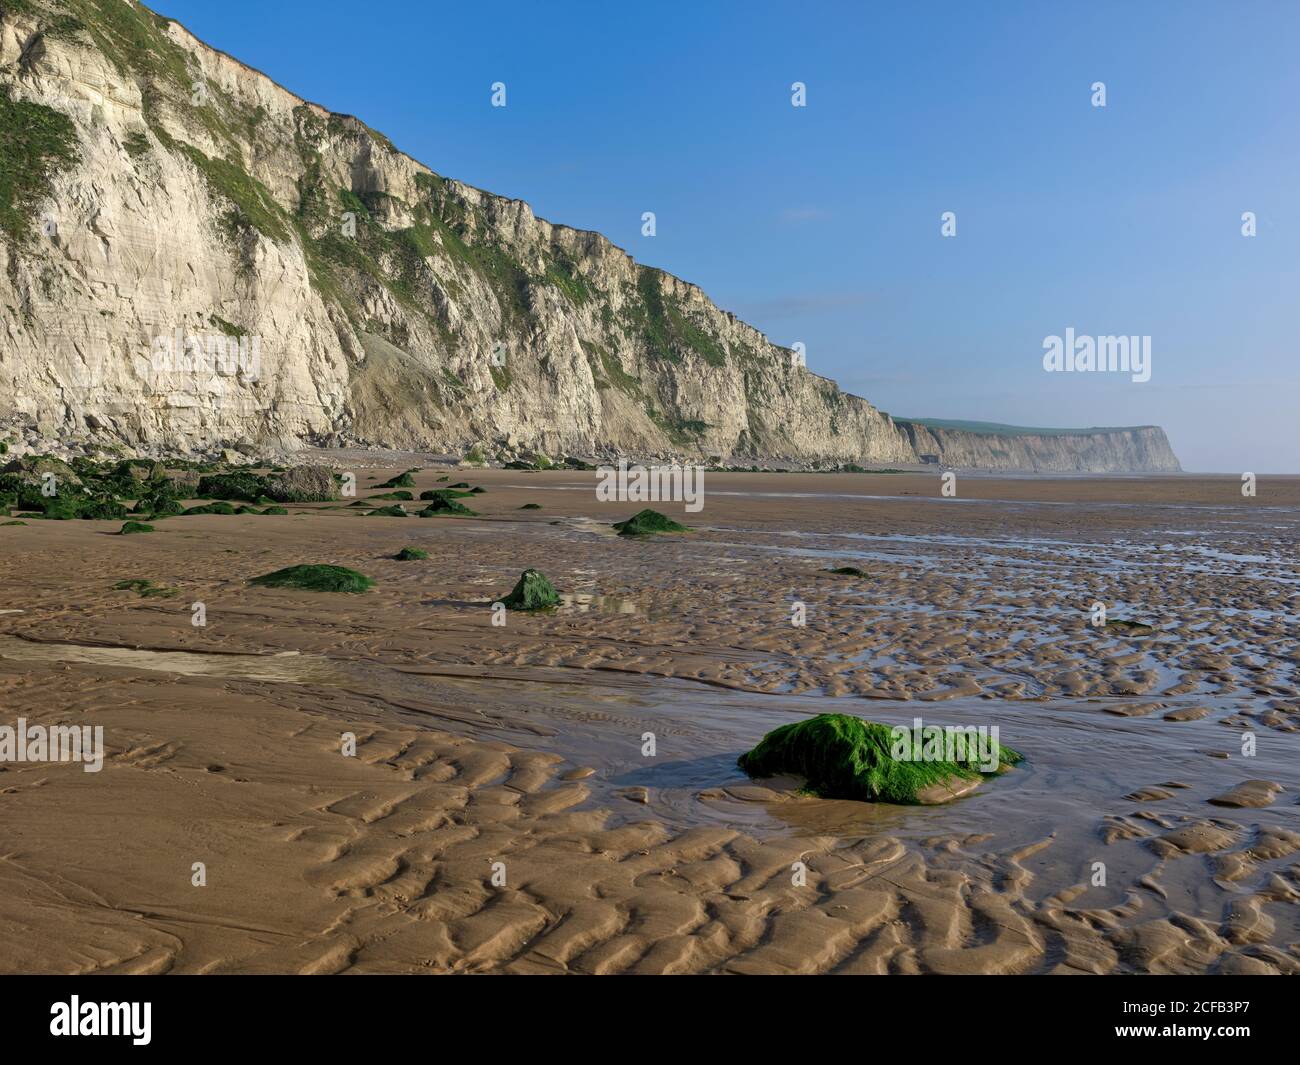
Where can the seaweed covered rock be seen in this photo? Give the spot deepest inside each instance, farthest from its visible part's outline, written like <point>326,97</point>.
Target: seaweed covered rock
<point>439,505</point>
<point>303,484</point>
<point>411,554</point>
<point>844,757</point>
<point>162,502</point>
<point>395,511</point>
<point>848,571</point>
<point>402,480</point>
<point>532,592</point>
<point>219,507</point>
<point>130,527</point>
<point>315,578</point>
<point>36,469</point>
<point>648,522</point>
<point>101,510</point>
<point>243,486</point>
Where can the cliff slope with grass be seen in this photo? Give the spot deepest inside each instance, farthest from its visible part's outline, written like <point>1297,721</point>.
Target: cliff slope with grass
<point>152,187</point>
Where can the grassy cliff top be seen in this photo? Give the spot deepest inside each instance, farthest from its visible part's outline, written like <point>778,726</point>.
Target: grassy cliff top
<point>998,429</point>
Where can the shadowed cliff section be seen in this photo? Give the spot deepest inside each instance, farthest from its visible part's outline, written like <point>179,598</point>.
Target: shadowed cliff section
<point>181,194</point>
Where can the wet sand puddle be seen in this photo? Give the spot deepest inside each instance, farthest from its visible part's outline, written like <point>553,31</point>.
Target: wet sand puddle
<point>1098,786</point>
<point>286,667</point>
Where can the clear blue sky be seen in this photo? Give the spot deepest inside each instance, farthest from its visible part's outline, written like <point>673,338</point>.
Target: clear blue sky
<point>821,224</point>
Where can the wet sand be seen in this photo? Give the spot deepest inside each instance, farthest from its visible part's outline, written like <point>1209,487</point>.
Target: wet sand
<point>1138,836</point>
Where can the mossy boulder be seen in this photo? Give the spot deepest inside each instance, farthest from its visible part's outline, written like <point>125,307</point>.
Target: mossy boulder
<point>401,495</point>
<point>532,592</point>
<point>56,508</point>
<point>274,510</point>
<point>411,554</point>
<point>159,506</point>
<point>130,527</point>
<point>402,480</point>
<point>219,507</point>
<point>243,486</point>
<point>65,507</point>
<point>395,511</point>
<point>33,469</point>
<point>303,484</point>
<point>440,505</point>
<point>648,522</point>
<point>844,757</point>
<point>315,578</point>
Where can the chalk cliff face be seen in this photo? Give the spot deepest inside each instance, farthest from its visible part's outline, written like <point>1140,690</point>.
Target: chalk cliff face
<point>192,256</point>
<point>1140,449</point>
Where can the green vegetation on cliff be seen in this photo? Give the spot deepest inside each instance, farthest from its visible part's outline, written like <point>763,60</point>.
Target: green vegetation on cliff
<point>35,143</point>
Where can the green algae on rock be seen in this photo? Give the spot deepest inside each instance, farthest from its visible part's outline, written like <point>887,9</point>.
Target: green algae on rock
<point>848,571</point>
<point>411,554</point>
<point>395,511</point>
<point>315,578</point>
<point>532,592</point>
<point>440,505</point>
<point>844,757</point>
<point>648,522</point>
<point>531,506</point>
<point>130,527</point>
<point>210,508</point>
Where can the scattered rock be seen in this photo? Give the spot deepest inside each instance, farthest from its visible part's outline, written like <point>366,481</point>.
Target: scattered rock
<point>1249,793</point>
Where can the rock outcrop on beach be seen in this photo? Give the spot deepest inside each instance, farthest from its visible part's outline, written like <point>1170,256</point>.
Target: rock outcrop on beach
<point>193,258</point>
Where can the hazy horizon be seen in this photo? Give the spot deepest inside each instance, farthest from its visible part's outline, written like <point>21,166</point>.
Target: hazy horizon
<point>821,224</point>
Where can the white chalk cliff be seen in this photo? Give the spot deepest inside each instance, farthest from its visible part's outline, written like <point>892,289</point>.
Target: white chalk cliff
<point>152,187</point>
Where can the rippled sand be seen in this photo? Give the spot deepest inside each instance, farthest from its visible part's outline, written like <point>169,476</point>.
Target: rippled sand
<point>1152,828</point>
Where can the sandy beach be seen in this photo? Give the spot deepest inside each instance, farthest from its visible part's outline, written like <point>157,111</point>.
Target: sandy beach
<point>499,814</point>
